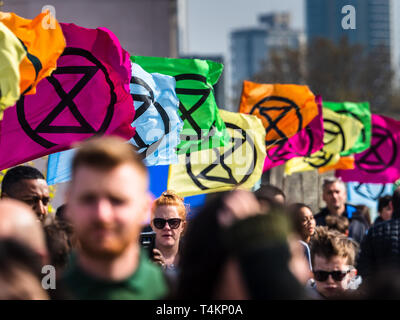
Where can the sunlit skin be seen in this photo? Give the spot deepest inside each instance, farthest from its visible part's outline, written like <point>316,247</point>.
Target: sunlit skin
<point>167,239</point>
<point>334,194</point>
<point>106,209</point>
<point>331,288</point>
<point>308,223</point>
<point>34,192</point>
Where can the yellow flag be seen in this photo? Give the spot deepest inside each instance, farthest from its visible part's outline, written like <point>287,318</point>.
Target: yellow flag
<point>284,109</point>
<point>43,43</point>
<point>11,54</point>
<point>239,163</point>
<point>340,134</point>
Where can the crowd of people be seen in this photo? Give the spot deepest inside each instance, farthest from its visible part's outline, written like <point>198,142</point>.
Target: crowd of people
<point>240,245</point>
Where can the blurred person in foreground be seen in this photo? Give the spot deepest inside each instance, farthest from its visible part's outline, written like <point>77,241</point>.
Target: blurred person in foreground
<point>333,259</point>
<point>381,246</point>
<point>235,251</point>
<point>27,184</point>
<point>385,209</point>
<point>335,196</point>
<point>107,201</point>
<point>18,221</point>
<point>270,197</point>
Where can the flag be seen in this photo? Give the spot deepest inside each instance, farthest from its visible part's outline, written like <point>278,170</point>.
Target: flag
<point>157,122</point>
<point>380,163</point>
<point>340,134</point>
<point>59,167</point>
<point>302,144</point>
<point>367,194</point>
<point>43,47</point>
<point>87,95</point>
<point>239,163</point>
<point>361,112</point>
<point>11,54</point>
<point>203,127</point>
<point>284,109</point>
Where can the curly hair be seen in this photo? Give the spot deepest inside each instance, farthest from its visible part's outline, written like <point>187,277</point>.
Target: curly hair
<point>329,243</point>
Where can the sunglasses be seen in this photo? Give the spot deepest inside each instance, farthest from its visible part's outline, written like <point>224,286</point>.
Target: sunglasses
<point>173,223</point>
<point>321,275</point>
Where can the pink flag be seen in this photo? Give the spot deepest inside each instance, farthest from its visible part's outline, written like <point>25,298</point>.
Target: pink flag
<point>302,144</point>
<point>381,162</point>
<point>88,94</point>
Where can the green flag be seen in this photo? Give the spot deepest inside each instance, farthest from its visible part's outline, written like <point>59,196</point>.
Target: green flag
<point>203,126</point>
<point>361,112</point>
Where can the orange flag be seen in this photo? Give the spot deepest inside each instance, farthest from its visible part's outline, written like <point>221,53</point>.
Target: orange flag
<point>43,43</point>
<point>345,163</point>
<point>284,109</point>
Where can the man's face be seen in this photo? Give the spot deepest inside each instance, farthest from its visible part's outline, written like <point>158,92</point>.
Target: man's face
<point>35,193</point>
<point>107,208</point>
<point>334,194</point>
<point>331,288</point>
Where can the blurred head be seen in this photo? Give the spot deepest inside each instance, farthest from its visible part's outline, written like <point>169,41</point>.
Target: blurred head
<point>338,223</point>
<point>302,220</point>
<point>334,193</point>
<point>20,272</point>
<point>385,208</point>
<point>168,219</point>
<point>18,221</point>
<point>27,184</point>
<point>107,197</point>
<point>270,196</point>
<point>333,258</point>
<point>364,212</point>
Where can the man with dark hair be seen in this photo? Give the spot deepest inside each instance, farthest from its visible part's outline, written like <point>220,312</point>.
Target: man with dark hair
<point>381,246</point>
<point>270,196</point>
<point>27,184</point>
<point>107,202</point>
<point>385,209</point>
<point>335,196</point>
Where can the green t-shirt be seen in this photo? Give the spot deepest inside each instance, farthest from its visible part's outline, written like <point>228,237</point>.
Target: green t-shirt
<point>146,283</point>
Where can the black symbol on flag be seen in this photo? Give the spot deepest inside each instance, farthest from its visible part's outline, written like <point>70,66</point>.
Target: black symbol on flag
<point>364,190</point>
<point>378,158</point>
<point>67,101</point>
<point>236,142</point>
<point>273,123</point>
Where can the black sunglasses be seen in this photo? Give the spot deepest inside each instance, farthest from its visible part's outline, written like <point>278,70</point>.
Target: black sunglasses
<point>321,275</point>
<point>173,223</point>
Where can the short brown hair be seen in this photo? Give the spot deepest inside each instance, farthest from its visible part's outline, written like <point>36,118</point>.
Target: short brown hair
<point>105,153</point>
<point>338,223</point>
<point>329,243</point>
<point>170,198</point>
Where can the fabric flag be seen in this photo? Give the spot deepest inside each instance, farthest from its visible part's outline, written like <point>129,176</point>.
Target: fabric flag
<point>59,167</point>
<point>302,144</point>
<point>157,122</point>
<point>344,163</point>
<point>367,194</point>
<point>203,127</point>
<point>11,54</point>
<point>87,95</point>
<point>284,109</point>
<point>340,134</point>
<point>238,164</point>
<point>381,162</point>
<point>361,112</point>
<point>43,46</point>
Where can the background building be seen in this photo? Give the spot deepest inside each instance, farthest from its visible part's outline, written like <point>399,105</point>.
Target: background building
<point>250,47</point>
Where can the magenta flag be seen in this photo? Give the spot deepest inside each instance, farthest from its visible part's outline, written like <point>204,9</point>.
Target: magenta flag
<point>381,162</point>
<point>88,94</point>
<point>302,144</point>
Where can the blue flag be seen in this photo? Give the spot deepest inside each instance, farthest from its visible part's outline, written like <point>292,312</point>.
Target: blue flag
<point>157,122</point>
<point>368,194</point>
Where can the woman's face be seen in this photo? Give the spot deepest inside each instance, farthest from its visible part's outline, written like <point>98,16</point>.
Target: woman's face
<point>167,236</point>
<point>307,221</point>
